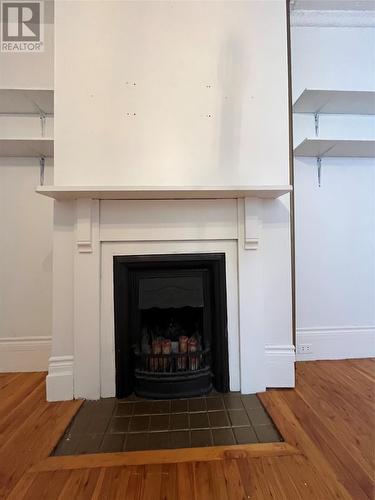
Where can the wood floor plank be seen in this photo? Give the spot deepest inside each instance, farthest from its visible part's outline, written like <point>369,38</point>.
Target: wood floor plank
<point>186,483</point>
<point>366,366</point>
<point>35,438</point>
<point>328,423</point>
<point>169,482</point>
<point>292,430</point>
<point>15,391</point>
<point>163,456</point>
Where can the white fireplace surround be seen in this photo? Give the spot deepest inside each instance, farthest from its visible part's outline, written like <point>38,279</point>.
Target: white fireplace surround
<point>254,235</point>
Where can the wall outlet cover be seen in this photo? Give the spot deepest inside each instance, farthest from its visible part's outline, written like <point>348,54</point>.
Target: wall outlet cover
<point>304,349</point>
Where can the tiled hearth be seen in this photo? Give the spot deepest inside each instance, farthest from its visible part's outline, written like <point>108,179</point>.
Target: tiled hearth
<point>130,424</point>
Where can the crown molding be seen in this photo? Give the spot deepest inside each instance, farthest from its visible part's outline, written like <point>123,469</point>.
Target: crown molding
<point>333,18</point>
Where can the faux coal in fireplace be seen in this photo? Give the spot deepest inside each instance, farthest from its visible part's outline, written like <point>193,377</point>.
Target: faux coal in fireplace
<point>170,325</point>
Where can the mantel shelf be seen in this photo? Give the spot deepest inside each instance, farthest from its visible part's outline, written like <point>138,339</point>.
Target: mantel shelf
<point>26,101</point>
<point>30,147</point>
<point>324,148</point>
<point>350,102</point>
<point>162,192</point>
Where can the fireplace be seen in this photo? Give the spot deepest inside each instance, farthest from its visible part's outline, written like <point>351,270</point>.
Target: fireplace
<point>170,325</point>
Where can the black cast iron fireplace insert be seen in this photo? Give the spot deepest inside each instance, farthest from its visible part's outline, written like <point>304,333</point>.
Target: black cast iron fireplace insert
<point>171,336</point>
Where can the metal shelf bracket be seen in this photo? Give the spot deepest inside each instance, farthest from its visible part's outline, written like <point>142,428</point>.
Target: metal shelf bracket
<point>316,122</point>
<point>42,162</point>
<point>319,166</point>
<point>42,117</point>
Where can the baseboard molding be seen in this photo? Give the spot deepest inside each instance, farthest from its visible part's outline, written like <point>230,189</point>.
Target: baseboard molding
<point>24,354</point>
<point>337,342</point>
<point>60,378</point>
<point>280,365</point>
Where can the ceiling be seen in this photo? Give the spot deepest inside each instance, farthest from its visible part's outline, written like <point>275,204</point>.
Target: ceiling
<point>361,5</point>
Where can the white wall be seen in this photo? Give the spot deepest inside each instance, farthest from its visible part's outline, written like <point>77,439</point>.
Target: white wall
<point>26,223</point>
<point>335,224</point>
<point>25,267</point>
<point>210,93</point>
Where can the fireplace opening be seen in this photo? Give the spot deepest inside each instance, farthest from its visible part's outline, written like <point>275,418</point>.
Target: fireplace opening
<point>170,325</point>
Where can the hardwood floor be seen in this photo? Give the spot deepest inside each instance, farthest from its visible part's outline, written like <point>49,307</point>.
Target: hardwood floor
<point>328,423</point>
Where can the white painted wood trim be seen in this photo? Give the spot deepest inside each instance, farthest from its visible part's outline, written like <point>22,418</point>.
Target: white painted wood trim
<point>251,313</point>
<point>24,354</point>
<point>333,18</point>
<point>162,192</point>
<point>83,227</point>
<point>168,220</point>
<point>60,378</point>
<point>86,318</point>
<point>252,223</point>
<point>337,342</point>
<point>280,365</point>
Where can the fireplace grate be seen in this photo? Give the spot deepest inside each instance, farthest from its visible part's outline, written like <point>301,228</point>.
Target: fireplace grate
<point>172,363</point>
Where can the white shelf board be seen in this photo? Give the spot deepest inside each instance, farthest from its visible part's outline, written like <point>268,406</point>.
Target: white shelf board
<point>335,148</point>
<point>26,147</point>
<point>162,192</point>
<point>26,101</point>
<point>349,102</point>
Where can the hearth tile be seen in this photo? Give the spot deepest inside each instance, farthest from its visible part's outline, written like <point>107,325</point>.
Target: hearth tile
<point>179,439</point>
<point>267,434</point>
<point>179,421</point>
<point>139,423</point>
<point>159,422</point>
<point>198,420</point>
<point>245,435</point>
<point>66,447</point>
<point>136,442</point>
<point>124,409</point>
<point>259,416</point>
<point>132,398</point>
<point>80,424</point>
<point>112,443</point>
<point>218,419</point>
<point>160,407</point>
<point>215,403</point>
<point>102,407</point>
<point>197,404</point>
<point>98,424</point>
<point>223,437</point>
<point>238,418</point>
<point>179,405</point>
<point>251,401</point>
<point>143,408</point>
<point>89,443</point>
<point>233,402</point>
<point>119,425</point>
<point>213,394</point>
<point>201,438</point>
<point>158,441</point>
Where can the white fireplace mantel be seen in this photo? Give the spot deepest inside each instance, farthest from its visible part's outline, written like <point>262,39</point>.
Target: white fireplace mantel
<point>90,232</point>
<point>162,192</point>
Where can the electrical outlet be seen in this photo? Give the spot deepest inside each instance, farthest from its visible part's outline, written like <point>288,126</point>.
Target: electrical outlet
<point>304,349</point>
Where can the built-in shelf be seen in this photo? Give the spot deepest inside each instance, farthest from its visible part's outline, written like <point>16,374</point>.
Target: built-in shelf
<point>26,101</point>
<point>323,148</point>
<point>350,102</point>
<point>161,193</point>
<point>33,148</point>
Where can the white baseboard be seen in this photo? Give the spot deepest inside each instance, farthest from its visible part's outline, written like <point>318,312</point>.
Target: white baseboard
<point>60,378</point>
<point>24,354</point>
<point>280,366</point>
<point>337,342</point>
